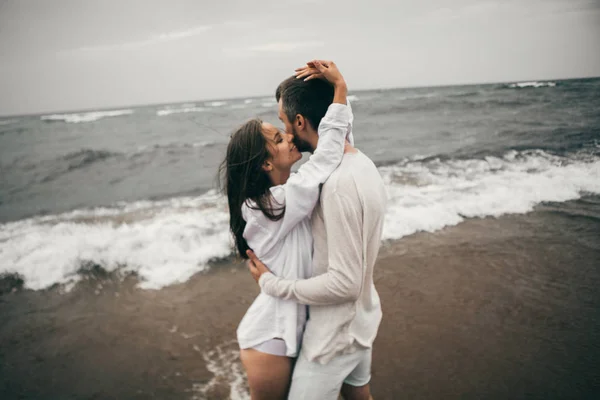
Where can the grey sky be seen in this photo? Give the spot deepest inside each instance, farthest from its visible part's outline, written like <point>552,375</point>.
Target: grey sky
<point>75,54</point>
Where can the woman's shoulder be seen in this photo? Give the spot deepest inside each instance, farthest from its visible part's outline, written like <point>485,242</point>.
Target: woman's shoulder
<point>251,210</point>
<point>278,193</point>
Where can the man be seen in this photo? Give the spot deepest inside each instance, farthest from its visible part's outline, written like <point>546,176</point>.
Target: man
<point>345,311</point>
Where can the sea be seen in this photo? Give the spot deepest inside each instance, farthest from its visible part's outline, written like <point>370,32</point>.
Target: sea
<point>134,189</point>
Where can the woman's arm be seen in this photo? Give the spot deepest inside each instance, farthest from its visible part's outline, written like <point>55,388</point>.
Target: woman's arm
<point>310,71</point>
<point>345,270</point>
<point>301,192</point>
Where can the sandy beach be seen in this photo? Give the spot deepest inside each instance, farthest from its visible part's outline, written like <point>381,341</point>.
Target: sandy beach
<point>491,308</point>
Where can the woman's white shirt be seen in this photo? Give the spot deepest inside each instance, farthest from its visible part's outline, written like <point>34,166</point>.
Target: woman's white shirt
<point>287,244</point>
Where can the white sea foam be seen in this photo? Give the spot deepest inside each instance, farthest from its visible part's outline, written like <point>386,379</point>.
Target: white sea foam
<point>85,117</point>
<point>352,98</point>
<point>168,241</point>
<point>248,101</point>
<point>427,196</point>
<point>8,121</point>
<point>216,103</point>
<point>224,363</point>
<point>152,148</point>
<point>206,143</point>
<point>164,242</point>
<point>415,96</point>
<point>532,84</point>
<point>179,110</point>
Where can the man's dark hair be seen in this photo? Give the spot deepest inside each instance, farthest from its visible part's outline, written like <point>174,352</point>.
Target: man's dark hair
<point>309,99</point>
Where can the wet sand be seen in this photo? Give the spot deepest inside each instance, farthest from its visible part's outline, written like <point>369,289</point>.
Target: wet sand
<point>503,308</point>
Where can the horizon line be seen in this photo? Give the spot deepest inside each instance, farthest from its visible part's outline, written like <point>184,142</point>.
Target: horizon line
<point>141,105</point>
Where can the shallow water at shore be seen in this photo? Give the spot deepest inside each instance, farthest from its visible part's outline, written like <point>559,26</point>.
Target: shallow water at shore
<point>491,308</point>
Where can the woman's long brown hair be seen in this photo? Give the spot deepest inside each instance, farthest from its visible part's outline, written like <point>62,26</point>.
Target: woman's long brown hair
<point>242,178</point>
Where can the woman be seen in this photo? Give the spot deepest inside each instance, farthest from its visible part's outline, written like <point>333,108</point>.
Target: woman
<point>270,211</point>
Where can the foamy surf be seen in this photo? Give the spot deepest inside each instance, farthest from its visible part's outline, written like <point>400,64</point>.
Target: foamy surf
<point>166,242</point>
<point>430,195</point>
<point>85,117</point>
<point>179,110</point>
<point>163,242</point>
<point>225,365</point>
<point>170,146</point>
<point>216,103</point>
<point>8,121</point>
<point>532,84</point>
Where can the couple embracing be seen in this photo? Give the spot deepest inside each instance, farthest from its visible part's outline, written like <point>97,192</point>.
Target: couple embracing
<point>312,238</point>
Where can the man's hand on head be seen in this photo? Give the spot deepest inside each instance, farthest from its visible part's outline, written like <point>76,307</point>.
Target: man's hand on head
<point>256,267</point>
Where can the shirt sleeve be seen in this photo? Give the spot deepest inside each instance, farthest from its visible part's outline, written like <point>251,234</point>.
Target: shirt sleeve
<point>301,191</point>
<point>343,280</point>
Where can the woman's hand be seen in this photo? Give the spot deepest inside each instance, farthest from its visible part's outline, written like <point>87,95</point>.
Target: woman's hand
<point>323,70</point>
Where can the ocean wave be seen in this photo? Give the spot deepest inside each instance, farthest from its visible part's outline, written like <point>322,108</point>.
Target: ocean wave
<point>49,170</point>
<point>430,195</point>
<point>417,96</point>
<point>532,84</point>
<point>4,122</point>
<point>166,242</point>
<point>224,363</point>
<point>73,161</point>
<point>163,242</point>
<point>85,117</point>
<point>179,110</point>
<point>466,94</point>
<point>268,104</point>
<point>171,147</point>
<point>10,130</point>
<point>83,157</point>
<point>216,103</point>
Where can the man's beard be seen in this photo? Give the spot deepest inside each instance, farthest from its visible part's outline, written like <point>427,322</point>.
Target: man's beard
<point>300,144</point>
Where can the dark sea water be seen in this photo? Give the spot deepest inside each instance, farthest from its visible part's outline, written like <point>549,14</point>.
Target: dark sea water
<point>134,188</point>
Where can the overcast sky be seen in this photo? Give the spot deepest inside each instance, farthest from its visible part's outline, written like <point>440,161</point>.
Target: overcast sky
<point>76,54</point>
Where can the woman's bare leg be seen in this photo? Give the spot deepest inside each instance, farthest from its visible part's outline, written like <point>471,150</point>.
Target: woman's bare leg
<point>350,392</point>
<point>269,376</point>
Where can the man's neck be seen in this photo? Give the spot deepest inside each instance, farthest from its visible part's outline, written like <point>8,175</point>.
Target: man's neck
<point>313,141</point>
<point>348,148</point>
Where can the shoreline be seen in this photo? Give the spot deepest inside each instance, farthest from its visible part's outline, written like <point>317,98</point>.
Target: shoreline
<point>490,308</point>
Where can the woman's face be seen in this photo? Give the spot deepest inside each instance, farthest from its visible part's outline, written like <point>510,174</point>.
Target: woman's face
<point>281,147</point>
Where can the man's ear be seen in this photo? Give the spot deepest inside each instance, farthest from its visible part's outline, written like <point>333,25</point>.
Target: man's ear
<point>267,166</point>
<point>300,122</point>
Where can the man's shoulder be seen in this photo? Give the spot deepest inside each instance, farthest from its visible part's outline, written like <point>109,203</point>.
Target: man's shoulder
<point>350,171</point>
